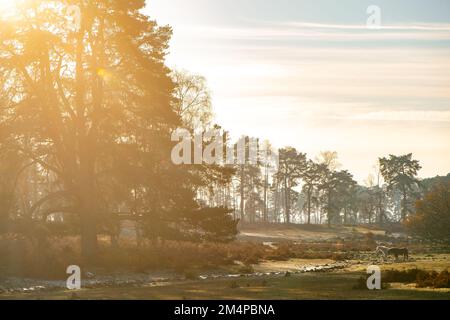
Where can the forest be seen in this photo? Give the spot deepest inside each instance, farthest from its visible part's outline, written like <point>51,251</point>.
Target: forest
<point>87,117</point>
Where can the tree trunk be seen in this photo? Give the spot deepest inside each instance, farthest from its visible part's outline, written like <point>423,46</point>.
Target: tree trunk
<point>404,208</point>
<point>329,213</point>
<point>89,246</point>
<point>89,201</point>
<point>88,220</point>
<point>309,206</point>
<point>241,189</point>
<point>276,207</point>
<point>86,184</point>
<point>380,209</point>
<point>286,202</point>
<point>265,196</point>
<point>380,217</point>
<point>345,215</point>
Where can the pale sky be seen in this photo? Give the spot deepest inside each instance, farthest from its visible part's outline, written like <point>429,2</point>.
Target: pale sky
<point>309,74</point>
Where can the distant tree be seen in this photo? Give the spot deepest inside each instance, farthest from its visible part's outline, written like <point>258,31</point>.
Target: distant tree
<point>432,218</point>
<point>329,159</point>
<point>193,100</point>
<point>378,190</point>
<point>248,176</point>
<point>367,204</point>
<point>336,190</point>
<point>346,193</point>
<point>429,183</point>
<point>290,168</point>
<point>311,179</point>
<point>269,167</point>
<point>275,200</point>
<point>400,173</point>
<point>342,188</point>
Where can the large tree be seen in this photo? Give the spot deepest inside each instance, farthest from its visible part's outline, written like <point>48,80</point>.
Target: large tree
<point>290,168</point>
<point>311,179</point>
<point>75,101</point>
<point>400,174</point>
<point>269,164</point>
<point>337,188</point>
<point>92,109</point>
<point>193,100</point>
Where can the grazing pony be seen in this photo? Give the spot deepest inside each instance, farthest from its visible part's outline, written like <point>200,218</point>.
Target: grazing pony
<point>386,252</point>
<point>399,252</point>
<point>383,250</point>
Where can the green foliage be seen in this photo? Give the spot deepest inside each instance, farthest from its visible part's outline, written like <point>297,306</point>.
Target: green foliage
<point>404,276</point>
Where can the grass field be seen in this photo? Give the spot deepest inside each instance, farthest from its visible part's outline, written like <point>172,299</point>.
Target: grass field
<point>333,285</point>
<point>278,279</point>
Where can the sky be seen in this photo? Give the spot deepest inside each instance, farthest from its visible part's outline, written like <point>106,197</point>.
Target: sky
<point>310,74</point>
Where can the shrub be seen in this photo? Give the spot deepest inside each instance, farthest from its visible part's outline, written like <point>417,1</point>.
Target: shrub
<point>361,283</point>
<point>434,279</point>
<point>23,257</point>
<point>423,279</point>
<point>246,269</point>
<point>403,276</point>
<point>191,275</point>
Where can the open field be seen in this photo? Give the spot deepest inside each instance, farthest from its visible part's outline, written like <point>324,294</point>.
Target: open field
<point>330,285</point>
<point>278,278</point>
<point>279,232</point>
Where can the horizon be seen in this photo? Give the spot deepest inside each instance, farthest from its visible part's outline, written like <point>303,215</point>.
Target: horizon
<point>305,70</point>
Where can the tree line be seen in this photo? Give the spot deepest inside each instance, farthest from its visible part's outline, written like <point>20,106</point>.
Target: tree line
<point>86,117</point>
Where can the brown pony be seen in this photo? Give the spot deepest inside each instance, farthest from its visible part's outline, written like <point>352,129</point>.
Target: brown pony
<point>399,252</point>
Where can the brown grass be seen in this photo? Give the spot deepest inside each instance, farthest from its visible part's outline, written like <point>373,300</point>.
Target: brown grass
<point>22,257</point>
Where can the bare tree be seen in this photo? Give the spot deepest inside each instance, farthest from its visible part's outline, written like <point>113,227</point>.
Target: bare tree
<point>193,100</point>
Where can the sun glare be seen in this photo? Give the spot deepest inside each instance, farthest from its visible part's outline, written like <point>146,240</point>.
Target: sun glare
<point>5,4</point>
<point>7,8</point>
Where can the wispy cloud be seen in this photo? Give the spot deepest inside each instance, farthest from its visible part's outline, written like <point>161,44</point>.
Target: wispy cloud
<point>328,85</point>
<point>320,32</point>
<point>400,116</point>
<point>398,27</point>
